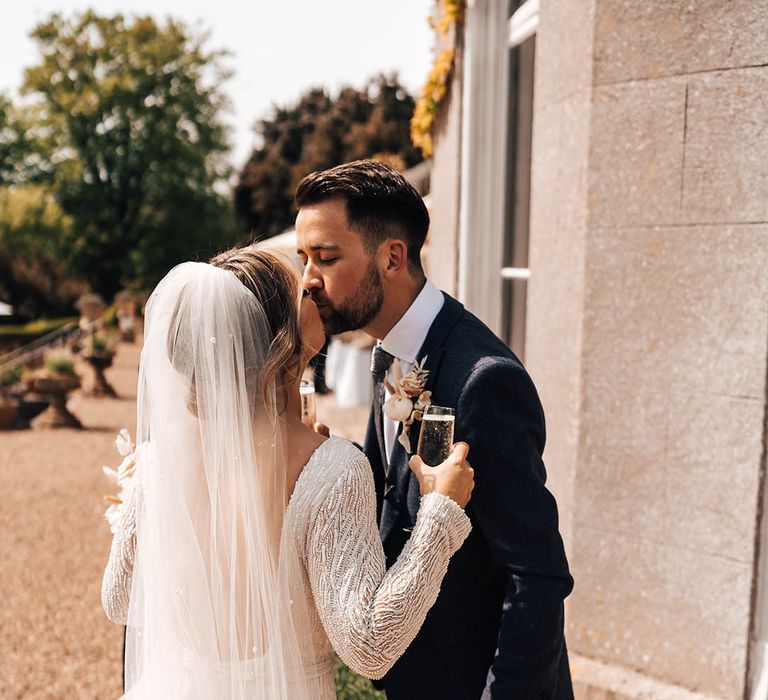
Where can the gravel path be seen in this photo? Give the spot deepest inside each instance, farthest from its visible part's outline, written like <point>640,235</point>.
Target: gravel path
<point>55,641</point>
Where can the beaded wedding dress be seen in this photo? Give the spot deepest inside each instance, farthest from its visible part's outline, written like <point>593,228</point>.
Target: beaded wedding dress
<point>227,591</point>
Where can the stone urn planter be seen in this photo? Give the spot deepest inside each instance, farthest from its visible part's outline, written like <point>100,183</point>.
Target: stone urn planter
<point>100,361</point>
<point>8,414</point>
<point>29,409</point>
<point>56,388</point>
<point>27,405</point>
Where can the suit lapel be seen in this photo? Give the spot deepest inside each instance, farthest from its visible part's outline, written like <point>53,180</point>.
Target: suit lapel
<point>399,472</point>
<point>433,343</point>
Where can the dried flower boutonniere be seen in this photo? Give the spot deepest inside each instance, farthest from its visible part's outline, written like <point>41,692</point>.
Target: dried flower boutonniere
<point>408,399</point>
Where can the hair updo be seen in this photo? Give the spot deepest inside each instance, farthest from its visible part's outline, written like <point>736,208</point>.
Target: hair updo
<point>270,277</point>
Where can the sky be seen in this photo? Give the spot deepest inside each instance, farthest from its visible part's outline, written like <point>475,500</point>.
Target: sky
<point>278,48</point>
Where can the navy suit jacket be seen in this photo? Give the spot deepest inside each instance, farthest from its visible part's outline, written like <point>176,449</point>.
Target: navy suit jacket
<point>496,630</point>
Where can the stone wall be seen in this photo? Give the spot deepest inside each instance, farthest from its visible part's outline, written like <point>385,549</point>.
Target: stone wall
<point>647,327</point>
<point>558,227</point>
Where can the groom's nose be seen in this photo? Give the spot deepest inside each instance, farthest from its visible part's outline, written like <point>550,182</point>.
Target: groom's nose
<point>311,278</point>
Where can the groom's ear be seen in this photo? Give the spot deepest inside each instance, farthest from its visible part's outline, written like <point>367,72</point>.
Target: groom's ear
<point>396,253</point>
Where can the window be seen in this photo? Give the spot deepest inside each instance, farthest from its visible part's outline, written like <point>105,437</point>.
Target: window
<point>497,111</point>
<point>515,272</point>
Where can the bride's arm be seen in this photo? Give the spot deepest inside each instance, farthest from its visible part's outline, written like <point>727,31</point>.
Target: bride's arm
<point>116,583</point>
<point>370,614</point>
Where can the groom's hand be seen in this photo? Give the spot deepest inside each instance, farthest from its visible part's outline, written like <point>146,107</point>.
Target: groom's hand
<point>454,478</point>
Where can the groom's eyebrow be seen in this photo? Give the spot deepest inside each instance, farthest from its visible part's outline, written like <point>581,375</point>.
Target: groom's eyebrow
<point>324,246</point>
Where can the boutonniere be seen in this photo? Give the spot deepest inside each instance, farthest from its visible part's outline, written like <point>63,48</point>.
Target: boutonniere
<point>408,399</point>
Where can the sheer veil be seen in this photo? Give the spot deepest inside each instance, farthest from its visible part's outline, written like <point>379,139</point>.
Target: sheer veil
<point>210,614</point>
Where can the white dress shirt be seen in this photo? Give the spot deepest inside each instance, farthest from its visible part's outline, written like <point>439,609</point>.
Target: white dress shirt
<point>404,341</point>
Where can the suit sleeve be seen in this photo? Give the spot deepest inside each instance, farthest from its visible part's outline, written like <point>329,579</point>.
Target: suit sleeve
<point>500,416</point>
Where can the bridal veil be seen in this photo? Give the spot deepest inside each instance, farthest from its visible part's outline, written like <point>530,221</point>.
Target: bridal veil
<point>210,614</point>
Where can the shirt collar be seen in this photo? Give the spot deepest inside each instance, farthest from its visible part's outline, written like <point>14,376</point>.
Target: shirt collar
<point>410,332</point>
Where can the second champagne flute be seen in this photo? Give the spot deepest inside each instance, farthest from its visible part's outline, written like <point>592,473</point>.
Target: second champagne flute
<point>308,410</point>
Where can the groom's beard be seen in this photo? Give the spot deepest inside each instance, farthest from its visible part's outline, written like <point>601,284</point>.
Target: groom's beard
<point>358,311</point>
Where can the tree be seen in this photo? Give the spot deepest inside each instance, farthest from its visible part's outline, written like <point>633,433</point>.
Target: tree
<point>21,145</point>
<point>318,132</point>
<point>12,146</point>
<point>33,278</point>
<point>137,146</point>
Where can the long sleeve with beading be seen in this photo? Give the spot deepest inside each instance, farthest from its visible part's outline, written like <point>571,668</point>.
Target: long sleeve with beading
<point>371,615</point>
<point>116,583</point>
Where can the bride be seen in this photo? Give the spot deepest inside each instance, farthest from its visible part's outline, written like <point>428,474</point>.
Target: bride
<point>245,548</point>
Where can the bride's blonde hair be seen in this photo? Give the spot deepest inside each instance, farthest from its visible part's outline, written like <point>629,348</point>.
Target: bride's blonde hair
<point>276,284</point>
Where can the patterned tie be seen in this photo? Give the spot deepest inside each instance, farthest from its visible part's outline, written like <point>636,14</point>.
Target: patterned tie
<point>381,361</point>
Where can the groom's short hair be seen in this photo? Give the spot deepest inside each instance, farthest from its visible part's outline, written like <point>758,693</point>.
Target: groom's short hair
<point>380,203</point>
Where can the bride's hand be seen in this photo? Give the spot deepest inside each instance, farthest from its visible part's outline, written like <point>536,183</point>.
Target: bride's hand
<point>454,478</point>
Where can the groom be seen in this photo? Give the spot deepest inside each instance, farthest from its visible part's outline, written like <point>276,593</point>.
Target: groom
<point>496,630</point>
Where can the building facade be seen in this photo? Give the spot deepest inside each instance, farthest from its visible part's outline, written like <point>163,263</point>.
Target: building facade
<point>600,199</point>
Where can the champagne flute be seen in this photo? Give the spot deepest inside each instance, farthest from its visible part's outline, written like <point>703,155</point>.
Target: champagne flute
<point>308,410</point>
<point>436,436</point>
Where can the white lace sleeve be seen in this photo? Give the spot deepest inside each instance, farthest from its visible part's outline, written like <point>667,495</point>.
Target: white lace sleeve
<point>116,584</point>
<point>371,615</point>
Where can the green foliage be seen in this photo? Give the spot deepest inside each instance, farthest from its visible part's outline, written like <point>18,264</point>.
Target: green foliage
<point>35,329</point>
<point>31,218</point>
<point>318,132</point>
<point>110,317</point>
<point>11,377</point>
<point>14,146</point>
<point>350,686</point>
<point>33,278</point>
<point>24,145</point>
<point>60,364</point>
<point>132,108</point>
<point>99,344</point>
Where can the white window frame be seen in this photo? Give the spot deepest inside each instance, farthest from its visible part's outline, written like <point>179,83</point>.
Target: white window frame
<point>488,36</point>
<point>523,23</point>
